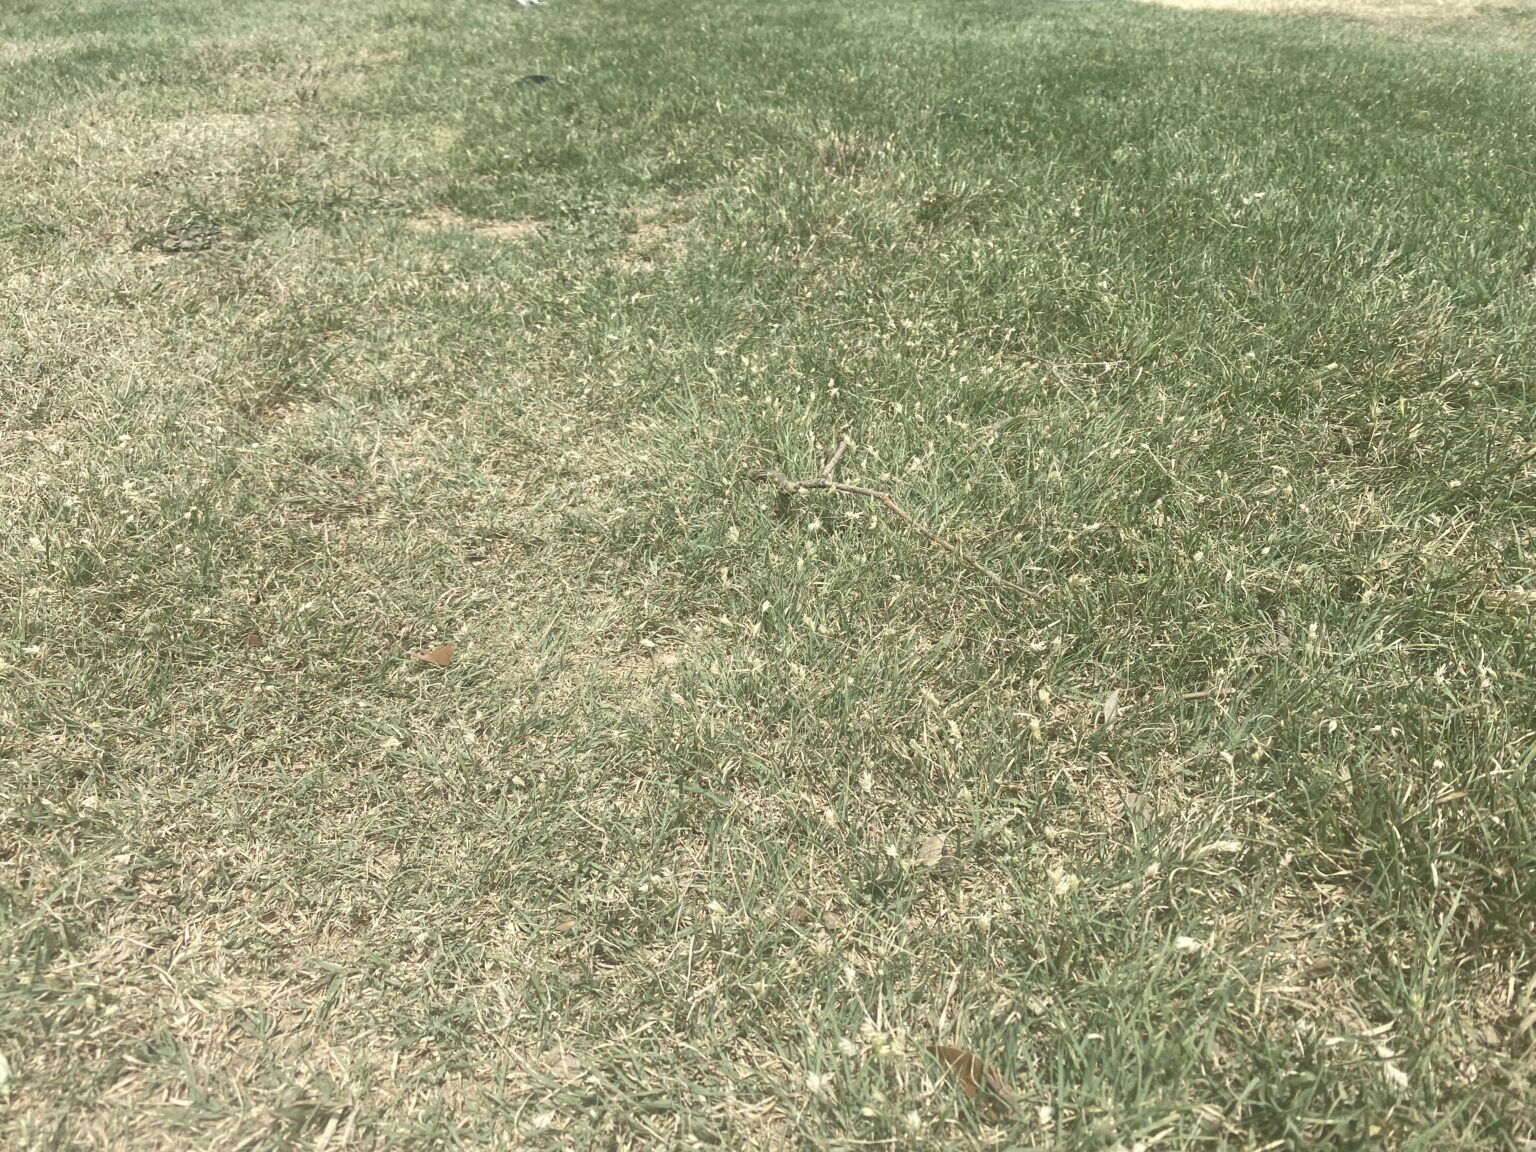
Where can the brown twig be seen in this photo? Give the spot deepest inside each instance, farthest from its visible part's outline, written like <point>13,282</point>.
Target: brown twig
<point>825,482</point>
<point>837,456</point>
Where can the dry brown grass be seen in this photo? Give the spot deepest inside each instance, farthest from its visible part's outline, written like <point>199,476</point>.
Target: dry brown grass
<point>442,219</point>
<point>1372,10</point>
<point>659,234</point>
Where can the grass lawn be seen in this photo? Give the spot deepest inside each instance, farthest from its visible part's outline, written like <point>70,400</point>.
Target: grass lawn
<point>332,333</point>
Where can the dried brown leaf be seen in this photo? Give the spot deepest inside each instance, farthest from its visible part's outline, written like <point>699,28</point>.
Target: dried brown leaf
<point>981,1083</point>
<point>798,914</point>
<point>930,850</point>
<point>439,657</point>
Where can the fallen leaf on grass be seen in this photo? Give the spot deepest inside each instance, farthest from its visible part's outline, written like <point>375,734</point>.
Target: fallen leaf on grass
<point>252,640</point>
<point>798,914</point>
<point>981,1083</point>
<point>1111,707</point>
<point>930,850</point>
<point>439,657</point>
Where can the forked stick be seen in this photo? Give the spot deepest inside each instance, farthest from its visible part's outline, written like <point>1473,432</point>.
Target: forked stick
<point>826,482</point>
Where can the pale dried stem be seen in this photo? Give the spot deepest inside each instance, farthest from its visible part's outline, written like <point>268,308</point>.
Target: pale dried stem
<point>825,482</point>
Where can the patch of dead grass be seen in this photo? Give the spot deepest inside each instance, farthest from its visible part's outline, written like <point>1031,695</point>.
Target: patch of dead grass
<point>657,236</point>
<point>509,231</point>
<point>1375,10</point>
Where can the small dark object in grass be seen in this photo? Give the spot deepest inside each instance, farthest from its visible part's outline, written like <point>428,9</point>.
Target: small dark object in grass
<point>533,78</point>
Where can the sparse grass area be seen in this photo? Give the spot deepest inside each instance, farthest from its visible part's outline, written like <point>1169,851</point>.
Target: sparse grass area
<point>327,334</point>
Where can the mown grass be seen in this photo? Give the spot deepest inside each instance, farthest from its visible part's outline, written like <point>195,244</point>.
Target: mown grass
<point>328,335</point>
